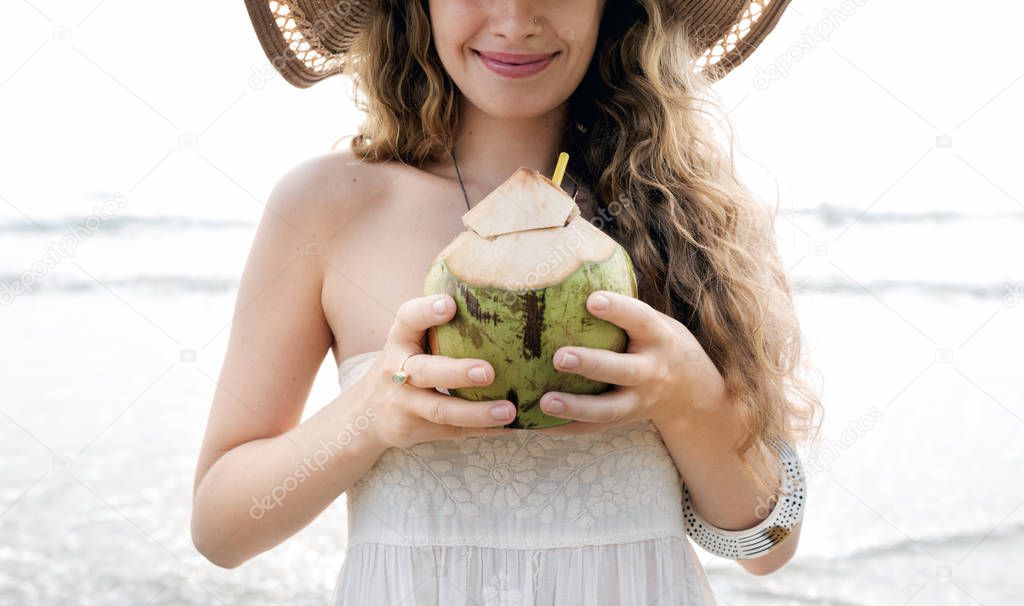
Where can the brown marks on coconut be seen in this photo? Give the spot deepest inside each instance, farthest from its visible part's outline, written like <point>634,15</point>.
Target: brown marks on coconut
<point>533,311</point>
<point>473,305</point>
<point>473,332</point>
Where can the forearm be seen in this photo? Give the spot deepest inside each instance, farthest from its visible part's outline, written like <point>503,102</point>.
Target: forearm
<point>260,493</point>
<point>720,489</point>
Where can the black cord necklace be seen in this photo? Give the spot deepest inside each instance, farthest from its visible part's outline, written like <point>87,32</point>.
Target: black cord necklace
<point>463,186</point>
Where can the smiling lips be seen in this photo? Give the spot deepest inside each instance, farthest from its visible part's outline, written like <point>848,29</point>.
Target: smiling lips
<point>512,65</point>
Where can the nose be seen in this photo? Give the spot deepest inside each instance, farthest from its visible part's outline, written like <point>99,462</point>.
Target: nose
<point>514,20</point>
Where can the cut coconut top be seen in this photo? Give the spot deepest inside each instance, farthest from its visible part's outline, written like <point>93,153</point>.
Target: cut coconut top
<point>530,259</point>
<point>526,200</point>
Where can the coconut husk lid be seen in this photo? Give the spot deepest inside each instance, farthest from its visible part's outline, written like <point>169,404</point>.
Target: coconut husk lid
<point>526,200</point>
<point>526,234</point>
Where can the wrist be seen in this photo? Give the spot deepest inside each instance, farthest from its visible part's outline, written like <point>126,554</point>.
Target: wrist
<point>368,419</point>
<point>352,423</point>
<point>694,411</point>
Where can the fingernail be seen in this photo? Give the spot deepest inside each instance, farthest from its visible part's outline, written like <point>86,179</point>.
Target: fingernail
<point>599,302</point>
<point>500,411</point>
<point>478,374</point>
<point>441,305</point>
<point>555,405</point>
<point>569,360</point>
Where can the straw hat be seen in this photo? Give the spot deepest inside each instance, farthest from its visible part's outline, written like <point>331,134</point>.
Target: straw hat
<point>306,40</point>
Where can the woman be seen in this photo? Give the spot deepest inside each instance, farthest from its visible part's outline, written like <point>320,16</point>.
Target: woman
<point>444,507</point>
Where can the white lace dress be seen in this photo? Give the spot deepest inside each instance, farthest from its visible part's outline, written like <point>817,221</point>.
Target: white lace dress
<point>518,520</point>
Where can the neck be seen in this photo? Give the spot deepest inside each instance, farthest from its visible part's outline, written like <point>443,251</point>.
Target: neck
<point>490,149</point>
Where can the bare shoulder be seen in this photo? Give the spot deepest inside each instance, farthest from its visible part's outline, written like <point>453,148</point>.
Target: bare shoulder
<point>380,224</point>
<point>328,208</point>
<point>325,189</point>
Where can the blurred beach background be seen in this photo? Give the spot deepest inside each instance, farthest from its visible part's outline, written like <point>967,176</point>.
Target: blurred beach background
<point>138,143</point>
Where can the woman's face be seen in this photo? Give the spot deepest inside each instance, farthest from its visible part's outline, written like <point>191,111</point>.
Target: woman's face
<point>468,34</point>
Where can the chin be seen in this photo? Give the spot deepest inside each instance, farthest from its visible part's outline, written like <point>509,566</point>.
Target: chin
<point>514,106</point>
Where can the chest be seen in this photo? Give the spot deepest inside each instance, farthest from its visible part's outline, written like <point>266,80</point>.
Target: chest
<point>379,257</point>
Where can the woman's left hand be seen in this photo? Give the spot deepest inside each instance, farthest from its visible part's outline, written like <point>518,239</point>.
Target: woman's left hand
<point>664,374</point>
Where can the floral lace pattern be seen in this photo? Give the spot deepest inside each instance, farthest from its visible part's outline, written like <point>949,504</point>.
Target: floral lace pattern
<point>529,487</point>
<point>522,518</point>
<point>535,475</point>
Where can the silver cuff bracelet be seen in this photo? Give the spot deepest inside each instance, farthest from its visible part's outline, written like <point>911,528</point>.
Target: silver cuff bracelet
<point>770,532</point>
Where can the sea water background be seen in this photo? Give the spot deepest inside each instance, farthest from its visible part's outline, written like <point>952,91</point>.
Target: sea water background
<point>891,130</point>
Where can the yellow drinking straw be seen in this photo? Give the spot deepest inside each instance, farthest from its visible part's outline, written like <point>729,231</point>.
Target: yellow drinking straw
<point>563,159</point>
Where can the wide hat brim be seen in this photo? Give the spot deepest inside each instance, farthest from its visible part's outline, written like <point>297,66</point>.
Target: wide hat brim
<point>306,40</point>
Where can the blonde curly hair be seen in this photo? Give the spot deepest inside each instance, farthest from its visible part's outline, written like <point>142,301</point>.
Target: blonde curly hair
<point>642,132</point>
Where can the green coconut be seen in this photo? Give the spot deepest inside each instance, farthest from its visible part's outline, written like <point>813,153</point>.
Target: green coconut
<point>520,275</point>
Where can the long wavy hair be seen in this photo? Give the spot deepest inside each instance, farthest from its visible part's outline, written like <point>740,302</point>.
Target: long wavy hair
<point>641,134</point>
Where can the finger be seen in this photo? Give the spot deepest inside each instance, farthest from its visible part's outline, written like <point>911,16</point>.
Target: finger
<point>609,407</point>
<point>427,370</point>
<point>641,321</point>
<point>604,365</point>
<point>450,410</point>
<point>417,315</point>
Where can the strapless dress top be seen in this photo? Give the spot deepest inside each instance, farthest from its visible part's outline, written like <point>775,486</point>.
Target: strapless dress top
<point>520,519</point>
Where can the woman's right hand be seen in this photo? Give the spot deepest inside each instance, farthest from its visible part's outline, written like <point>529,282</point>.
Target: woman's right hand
<point>414,411</point>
